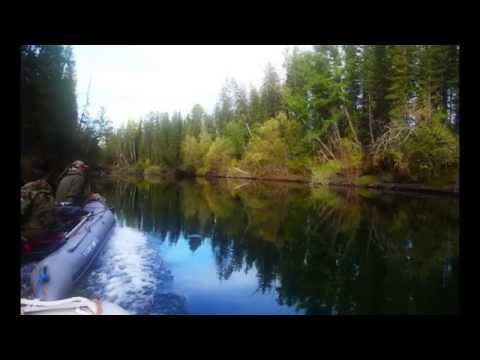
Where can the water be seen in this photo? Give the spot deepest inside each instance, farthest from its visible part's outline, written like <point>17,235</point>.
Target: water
<point>238,247</point>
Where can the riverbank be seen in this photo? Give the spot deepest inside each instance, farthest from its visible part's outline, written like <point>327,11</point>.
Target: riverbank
<point>418,188</point>
<point>358,182</point>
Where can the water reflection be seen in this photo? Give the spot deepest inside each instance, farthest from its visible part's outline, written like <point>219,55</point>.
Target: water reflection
<point>321,251</point>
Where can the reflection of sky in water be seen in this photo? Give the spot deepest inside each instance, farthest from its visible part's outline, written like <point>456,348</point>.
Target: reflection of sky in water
<point>369,257</point>
<point>195,276</point>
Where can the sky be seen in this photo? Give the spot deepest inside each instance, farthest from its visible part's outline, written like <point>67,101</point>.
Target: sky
<point>132,80</point>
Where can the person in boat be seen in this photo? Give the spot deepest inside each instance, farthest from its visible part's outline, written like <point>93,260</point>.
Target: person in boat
<point>38,215</point>
<point>74,187</point>
<point>74,191</point>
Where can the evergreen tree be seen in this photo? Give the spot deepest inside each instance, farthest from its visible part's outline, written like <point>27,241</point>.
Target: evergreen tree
<point>48,104</point>
<point>451,84</point>
<point>176,138</point>
<point>353,78</point>
<point>254,106</point>
<point>374,72</point>
<point>271,95</point>
<point>399,92</point>
<point>209,125</point>
<point>195,120</point>
<point>224,109</point>
<point>241,104</point>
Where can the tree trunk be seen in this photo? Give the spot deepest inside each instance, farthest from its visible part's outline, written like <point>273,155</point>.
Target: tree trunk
<point>248,128</point>
<point>370,119</point>
<point>347,114</point>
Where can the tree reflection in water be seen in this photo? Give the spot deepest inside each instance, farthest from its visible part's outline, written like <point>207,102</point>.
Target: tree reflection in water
<point>326,251</point>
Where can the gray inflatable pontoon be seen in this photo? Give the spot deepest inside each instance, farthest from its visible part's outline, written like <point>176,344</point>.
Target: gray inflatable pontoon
<point>54,277</point>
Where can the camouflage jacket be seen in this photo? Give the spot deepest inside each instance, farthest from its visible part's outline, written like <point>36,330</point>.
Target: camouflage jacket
<point>37,209</point>
<point>73,187</point>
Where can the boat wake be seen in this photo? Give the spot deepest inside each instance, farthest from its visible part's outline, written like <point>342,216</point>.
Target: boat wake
<point>128,273</point>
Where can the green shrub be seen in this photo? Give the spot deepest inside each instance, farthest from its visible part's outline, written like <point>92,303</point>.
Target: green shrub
<point>194,151</point>
<point>219,155</point>
<point>423,153</point>
<point>237,135</point>
<point>348,163</point>
<point>325,172</point>
<point>299,166</point>
<point>136,169</point>
<point>351,157</point>
<point>367,180</point>
<point>431,149</point>
<point>154,170</point>
<point>267,152</point>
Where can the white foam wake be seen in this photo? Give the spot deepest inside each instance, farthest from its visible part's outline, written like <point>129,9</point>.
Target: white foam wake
<point>127,272</point>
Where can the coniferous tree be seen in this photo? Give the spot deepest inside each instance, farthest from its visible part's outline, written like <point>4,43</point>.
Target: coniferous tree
<point>374,72</point>
<point>241,104</point>
<point>224,109</point>
<point>195,120</point>
<point>255,106</point>
<point>176,137</point>
<point>353,78</point>
<point>271,95</point>
<point>399,91</point>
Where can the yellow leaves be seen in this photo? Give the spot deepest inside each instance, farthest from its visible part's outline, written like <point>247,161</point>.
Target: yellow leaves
<point>219,155</point>
<point>367,180</point>
<point>267,152</point>
<point>194,151</point>
<point>325,172</point>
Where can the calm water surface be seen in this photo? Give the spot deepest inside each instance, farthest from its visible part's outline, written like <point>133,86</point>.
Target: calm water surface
<point>243,247</point>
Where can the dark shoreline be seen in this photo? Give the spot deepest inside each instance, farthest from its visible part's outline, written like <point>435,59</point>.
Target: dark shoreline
<point>393,187</point>
<point>414,188</point>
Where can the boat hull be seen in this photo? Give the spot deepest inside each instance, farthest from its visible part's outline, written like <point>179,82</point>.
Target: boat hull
<point>54,277</point>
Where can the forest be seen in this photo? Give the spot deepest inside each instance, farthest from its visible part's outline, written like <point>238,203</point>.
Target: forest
<point>53,133</point>
<point>358,113</point>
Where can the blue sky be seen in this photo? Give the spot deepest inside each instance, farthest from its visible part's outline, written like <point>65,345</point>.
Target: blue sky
<point>131,80</point>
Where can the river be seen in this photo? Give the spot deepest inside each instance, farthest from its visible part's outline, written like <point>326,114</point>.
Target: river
<point>253,247</point>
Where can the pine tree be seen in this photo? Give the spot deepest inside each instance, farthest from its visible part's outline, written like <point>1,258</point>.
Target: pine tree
<point>325,86</point>
<point>353,77</point>
<point>224,109</point>
<point>176,138</point>
<point>271,94</point>
<point>399,92</point>
<point>297,90</point>
<point>209,125</point>
<point>164,139</point>
<point>195,120</point>
<point>254,106</point>
<point>451,84</point>
<point>241,104</point>
<point>48,103</point>
<point>375,105</point>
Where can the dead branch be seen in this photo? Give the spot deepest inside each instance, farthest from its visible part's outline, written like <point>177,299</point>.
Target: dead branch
<point>350,124</point>
<point>326,148</point>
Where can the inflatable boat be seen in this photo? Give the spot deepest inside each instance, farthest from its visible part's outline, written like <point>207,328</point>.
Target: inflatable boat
<point>54,277</point>
<point>70,306</point>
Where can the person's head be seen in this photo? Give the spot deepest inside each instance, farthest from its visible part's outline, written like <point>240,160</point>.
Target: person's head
<point>80,165</point>
<point>36,185</point>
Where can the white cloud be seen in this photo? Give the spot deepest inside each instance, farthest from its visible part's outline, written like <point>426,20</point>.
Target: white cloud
<point>133,80</point>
